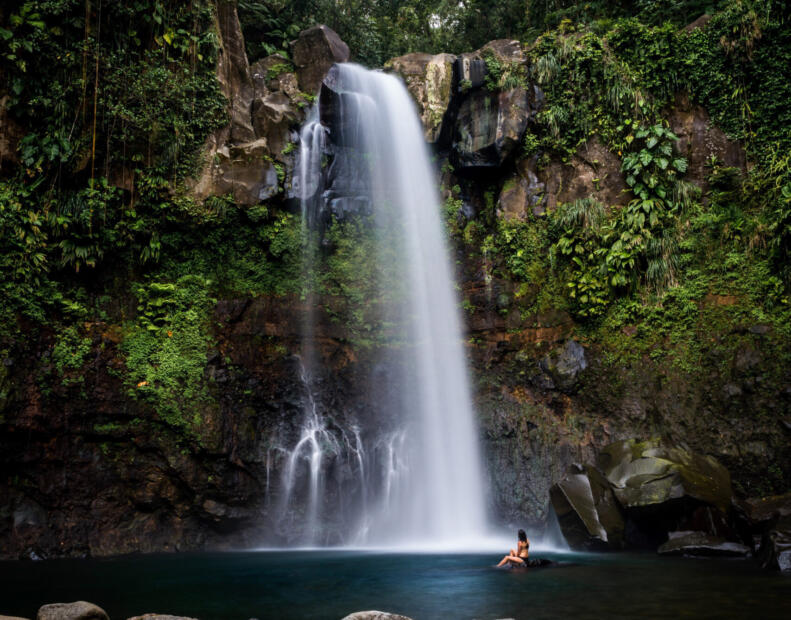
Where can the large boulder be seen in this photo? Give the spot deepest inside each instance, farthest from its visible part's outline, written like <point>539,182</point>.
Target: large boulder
<point>314,52</point>
<point>80,610</point>
<point>587,511</point>
<point>648,473</point>
<point>429,79</point>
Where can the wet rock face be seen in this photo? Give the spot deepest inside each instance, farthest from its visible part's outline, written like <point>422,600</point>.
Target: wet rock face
<point>314,52</point>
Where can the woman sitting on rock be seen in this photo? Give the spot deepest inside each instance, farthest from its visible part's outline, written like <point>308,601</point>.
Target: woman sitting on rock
<point>518,556</point>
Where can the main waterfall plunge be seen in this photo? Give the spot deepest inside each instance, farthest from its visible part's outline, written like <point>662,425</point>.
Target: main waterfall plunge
<point>410,472</point>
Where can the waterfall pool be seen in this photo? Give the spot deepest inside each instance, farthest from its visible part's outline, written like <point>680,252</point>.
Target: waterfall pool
<point>329,584</point>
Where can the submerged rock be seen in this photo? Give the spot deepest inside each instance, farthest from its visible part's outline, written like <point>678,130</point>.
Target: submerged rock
<point>701,544</point>
<point>80,610</point>
<point>587,511</point>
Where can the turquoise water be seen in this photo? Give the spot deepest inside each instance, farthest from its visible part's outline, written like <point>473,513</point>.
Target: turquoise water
<point>330,584</point>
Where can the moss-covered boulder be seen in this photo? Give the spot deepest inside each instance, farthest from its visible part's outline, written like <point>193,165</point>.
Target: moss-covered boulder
<point>645,473</point>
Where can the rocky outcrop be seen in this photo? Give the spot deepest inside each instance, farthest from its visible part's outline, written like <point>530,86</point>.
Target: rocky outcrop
<point>80,610</point>
<point>254,157</point>
<point>429,80</point>
<point>639,493</point>
<point>314,52</point>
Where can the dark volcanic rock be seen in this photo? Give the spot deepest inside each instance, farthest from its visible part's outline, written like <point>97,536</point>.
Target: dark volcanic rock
<point>564,366</point>
<point>314,52</point>
<point>775,551</point>
<point>701,544</point>
<point>587,511</point>
<point>80,610</point>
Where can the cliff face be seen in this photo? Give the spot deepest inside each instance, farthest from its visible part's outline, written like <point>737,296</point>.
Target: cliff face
<point>90,466</point>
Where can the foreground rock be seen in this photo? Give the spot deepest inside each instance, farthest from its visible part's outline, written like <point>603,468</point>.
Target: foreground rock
<point>80,610</point>
<point>701,544</point>
<point>160,617</point>
<point>374,615</point>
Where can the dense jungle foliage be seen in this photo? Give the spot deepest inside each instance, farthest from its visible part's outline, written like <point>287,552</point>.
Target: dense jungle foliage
<point>115,100</point>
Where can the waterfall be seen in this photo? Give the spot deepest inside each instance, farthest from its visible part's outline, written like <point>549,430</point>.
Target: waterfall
<point>417,482</point>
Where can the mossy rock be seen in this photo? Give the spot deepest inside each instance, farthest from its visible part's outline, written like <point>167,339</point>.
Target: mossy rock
<point>644,473</point>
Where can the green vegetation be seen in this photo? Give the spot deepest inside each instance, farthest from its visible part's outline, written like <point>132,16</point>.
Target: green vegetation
<point>166,349</point>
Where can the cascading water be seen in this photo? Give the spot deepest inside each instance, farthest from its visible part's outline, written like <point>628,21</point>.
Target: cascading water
<point>418,481</point>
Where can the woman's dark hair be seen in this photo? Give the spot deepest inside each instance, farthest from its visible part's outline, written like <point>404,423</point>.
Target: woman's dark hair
<point>522,536</point>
